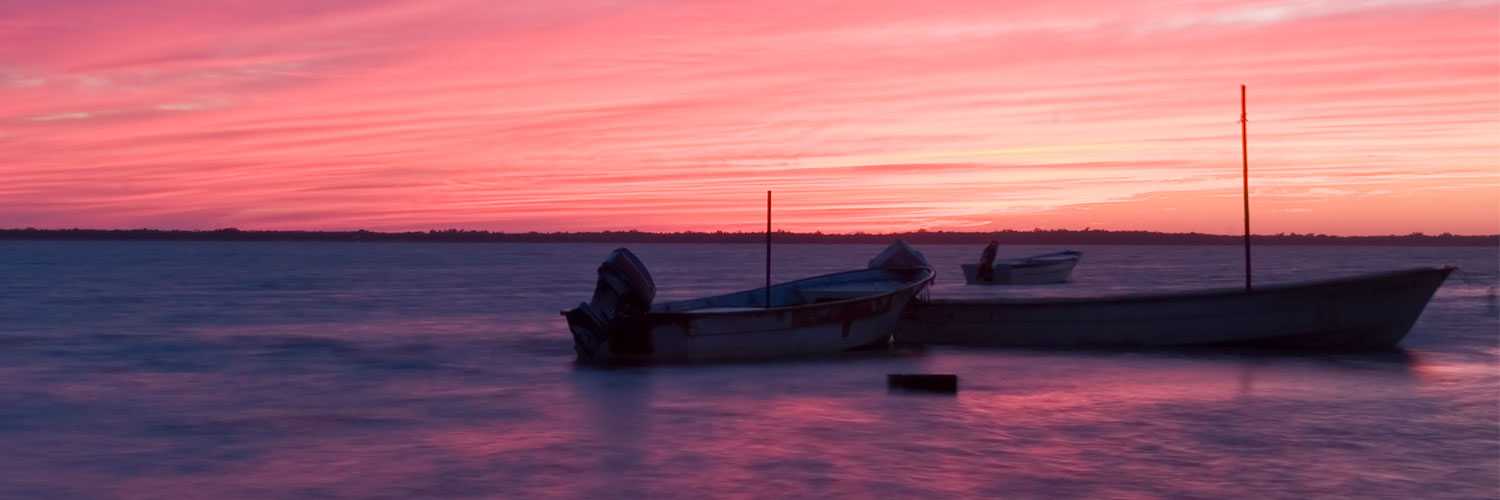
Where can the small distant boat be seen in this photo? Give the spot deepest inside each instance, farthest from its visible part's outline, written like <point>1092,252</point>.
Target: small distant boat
<point>1368,312</point>
<point>819,315</point>
<point>1042,269</point>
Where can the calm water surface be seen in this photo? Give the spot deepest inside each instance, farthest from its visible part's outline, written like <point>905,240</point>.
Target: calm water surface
<point>393,370</point>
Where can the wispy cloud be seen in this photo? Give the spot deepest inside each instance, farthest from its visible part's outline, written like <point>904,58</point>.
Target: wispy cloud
<point>400,114</point>
<point>77,115</point>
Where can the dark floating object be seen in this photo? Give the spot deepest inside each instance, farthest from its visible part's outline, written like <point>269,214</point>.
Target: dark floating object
<point>929,382</point>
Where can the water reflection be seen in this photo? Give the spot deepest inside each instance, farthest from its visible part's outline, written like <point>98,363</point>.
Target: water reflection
<point>616,405</point>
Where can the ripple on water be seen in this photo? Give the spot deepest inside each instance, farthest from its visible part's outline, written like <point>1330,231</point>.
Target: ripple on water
<point>408,370</point>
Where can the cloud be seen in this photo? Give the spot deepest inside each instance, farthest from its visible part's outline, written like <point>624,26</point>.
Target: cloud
<point>675,115</point>
<point>77,115</point>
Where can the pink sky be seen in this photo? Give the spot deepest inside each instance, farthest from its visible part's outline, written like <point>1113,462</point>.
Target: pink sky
<point>1366,116</point>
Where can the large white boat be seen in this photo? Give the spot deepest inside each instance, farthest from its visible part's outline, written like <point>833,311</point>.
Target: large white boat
<point>1373,311</point>
<point>820,315</point>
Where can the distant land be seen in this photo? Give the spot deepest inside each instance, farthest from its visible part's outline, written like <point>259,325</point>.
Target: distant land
<point>1033,237</point>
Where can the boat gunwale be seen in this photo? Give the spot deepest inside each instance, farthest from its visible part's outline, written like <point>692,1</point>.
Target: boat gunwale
<point>1193,294</point>
<point>1046,259</point>
<point>1025,263</point>
<point>673,315</point>
<point>1064,255</point>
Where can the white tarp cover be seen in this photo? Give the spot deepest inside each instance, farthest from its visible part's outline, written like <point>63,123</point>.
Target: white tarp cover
<point>899,256</point>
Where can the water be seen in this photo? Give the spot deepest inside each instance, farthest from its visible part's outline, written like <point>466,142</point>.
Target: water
<point>265,370</point>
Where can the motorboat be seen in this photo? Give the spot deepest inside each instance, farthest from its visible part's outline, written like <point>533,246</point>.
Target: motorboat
<point>1367,312</point>
<point>1048,268</point>
<point>819,315</point>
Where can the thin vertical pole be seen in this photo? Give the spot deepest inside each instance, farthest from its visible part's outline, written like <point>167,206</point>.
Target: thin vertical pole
<point>768,249</point>
<point>1245,180</point>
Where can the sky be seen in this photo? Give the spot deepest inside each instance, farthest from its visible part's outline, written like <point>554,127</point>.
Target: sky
<point>1365,116</point>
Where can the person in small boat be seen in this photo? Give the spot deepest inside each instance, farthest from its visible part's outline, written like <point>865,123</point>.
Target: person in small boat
<point>987,261</point>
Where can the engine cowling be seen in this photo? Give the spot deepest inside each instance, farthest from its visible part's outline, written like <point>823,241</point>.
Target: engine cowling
<point>622,294</point>
<point>987,261</point>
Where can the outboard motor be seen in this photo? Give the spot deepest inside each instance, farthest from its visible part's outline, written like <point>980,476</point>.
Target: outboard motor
<point>622,295</point>
<point>987,262</point>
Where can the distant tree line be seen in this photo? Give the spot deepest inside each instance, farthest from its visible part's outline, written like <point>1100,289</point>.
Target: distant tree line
<point>1032,237</point>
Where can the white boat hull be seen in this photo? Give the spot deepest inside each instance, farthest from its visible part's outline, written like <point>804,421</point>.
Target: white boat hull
<point>1359,313</point>
<point>765,333</point>
<point>1053,272</point>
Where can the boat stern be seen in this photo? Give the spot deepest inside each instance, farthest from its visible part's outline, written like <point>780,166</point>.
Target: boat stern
<point>610,323</point>
<point>589,334</point>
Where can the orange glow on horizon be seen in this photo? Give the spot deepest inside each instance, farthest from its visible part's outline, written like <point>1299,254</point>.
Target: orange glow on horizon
<point>1365,117</point>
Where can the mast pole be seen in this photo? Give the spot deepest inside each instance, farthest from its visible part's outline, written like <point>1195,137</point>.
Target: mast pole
<point>768,249</point>
<point>1245,180</point>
